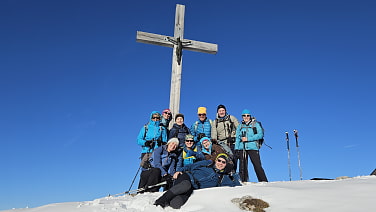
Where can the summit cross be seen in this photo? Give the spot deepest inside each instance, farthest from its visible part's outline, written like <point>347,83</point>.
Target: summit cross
<point>178,43</point>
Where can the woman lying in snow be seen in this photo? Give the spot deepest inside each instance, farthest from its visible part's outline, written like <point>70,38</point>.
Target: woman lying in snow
<point>202,174</point>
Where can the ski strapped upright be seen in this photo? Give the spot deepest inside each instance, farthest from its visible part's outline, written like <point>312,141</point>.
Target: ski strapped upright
<point>297,149</point>
<point>288,153</point>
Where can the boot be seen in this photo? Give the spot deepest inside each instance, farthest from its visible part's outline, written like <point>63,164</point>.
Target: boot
<point>165,199</point>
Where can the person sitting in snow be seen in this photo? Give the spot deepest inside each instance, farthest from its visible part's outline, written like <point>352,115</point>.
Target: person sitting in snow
<point>209,149</point>
<point>162,167</point>
<point>199,175</point>
<point>190,154</point>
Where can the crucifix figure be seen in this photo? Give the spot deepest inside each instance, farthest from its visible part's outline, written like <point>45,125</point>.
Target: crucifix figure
<point>178,43</point>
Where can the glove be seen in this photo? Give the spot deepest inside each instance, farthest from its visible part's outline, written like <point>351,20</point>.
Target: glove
<point>148,143</point>
<point>167,178</point>
<point>191,153</point>
<point>231,140</point>
<point>160,143</point>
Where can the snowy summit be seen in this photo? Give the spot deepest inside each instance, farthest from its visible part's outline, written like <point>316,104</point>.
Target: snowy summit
<point>351,194</point>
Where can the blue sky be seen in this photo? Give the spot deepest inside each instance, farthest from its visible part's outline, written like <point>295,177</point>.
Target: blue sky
<point>76,87</point>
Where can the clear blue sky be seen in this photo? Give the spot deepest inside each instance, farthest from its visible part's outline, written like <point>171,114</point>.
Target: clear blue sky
<point>76,87</point>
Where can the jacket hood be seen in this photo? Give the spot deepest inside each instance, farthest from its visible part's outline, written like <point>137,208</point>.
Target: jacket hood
<point>155,112</point>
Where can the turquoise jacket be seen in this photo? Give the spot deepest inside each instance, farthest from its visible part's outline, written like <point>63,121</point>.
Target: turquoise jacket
<point>201,127</point>
<point>253,131</point>
<point>152,131</point>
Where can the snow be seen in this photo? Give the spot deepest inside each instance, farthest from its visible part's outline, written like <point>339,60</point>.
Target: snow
<point>350,194</point>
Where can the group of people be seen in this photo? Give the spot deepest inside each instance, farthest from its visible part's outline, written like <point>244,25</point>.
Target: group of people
<point>204,155</point>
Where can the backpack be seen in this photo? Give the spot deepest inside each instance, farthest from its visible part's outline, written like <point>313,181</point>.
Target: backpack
<point>145,160</point>
<point>259,142</point>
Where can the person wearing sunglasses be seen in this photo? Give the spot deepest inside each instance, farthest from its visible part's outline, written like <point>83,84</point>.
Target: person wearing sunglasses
<point>191,153</point>
<point>248,133</point>
<point>202,127</point>
<point>199,175</point>
<point>150,137</point>
<point>166,119</point>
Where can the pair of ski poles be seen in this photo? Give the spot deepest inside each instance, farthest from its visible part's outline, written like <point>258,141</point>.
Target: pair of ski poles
<point>288,153</point>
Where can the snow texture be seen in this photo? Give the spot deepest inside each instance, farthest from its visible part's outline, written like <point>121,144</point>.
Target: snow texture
<point>351,194</point>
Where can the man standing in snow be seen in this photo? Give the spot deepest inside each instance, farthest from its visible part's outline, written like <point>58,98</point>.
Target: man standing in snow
<point>223,131</point>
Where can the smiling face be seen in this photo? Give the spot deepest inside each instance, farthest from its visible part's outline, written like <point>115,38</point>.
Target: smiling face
<point>220,163</point>
<point>189,143</point>
<point>171,146</point>
<point>179,120</point>
<point>221,112</point>
<point>202,116</point>
<point>206,144</point>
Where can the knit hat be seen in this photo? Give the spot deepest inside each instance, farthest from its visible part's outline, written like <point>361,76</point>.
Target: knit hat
<point>179,115</point>
<point>173,140</point>
<point>189,137</point>
<point>201,110</point>
<point>222,155</point>
<point>245,111</point>
<point>221,106</point>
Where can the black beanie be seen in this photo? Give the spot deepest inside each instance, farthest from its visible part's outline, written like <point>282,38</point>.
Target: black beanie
<point>221,106</point>
<point>179,115</point>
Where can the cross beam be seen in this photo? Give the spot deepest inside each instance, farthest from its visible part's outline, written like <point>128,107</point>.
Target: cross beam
<point>178,43</point>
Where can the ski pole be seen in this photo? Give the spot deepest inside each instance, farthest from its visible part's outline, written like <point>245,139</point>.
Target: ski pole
<point>138,170</point>
<point>288,153</point>
<point>245,166</point>
<point>139,189</point>
<point>297,148</point>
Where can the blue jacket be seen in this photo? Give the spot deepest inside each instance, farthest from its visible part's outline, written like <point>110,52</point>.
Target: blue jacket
<point>153,132</point>
<point>187,157</point>
<point>252,138</point>
<point>179,131</point>
<point>201,127</point>
<point>204,175</point>
<point>164,160</point>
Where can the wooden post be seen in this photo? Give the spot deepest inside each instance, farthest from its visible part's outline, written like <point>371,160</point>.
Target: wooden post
<point>178,43</point>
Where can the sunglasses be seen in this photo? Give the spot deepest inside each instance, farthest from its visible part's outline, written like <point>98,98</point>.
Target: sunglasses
<point>169,113</point>
<point>202,114</point>
<point>246,115</point>
<point>156,117</point>
<point>221,161</point>
<point>189,140</point>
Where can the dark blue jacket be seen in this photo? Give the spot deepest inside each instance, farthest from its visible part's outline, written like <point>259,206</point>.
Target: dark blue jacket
<point>164,160</point>
<point>179,131</point>
<point>203,174</point>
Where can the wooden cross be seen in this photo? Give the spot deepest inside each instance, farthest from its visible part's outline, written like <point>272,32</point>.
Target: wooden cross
<point>178,43</point>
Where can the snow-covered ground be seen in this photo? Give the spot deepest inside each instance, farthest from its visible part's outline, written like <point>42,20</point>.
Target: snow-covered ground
<point>351,194</point>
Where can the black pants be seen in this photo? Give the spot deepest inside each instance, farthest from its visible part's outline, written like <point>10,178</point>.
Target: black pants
<point>256,162</point>
<point>150,177</point>
<point>178,194</point>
